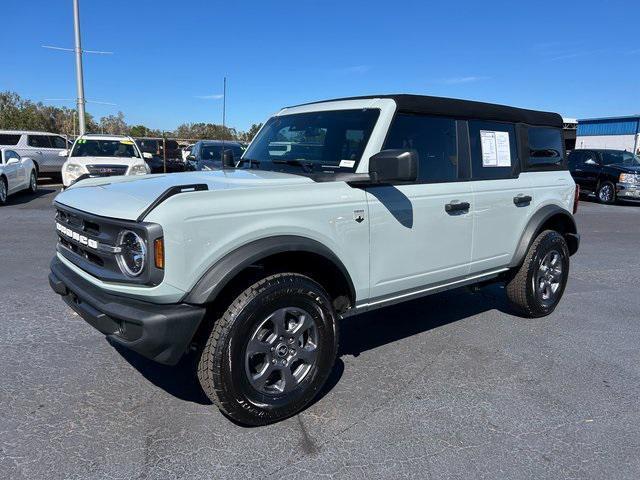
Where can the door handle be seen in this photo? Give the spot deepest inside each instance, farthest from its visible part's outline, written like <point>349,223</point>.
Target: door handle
<point>522,199</point>
<point>456,206</point>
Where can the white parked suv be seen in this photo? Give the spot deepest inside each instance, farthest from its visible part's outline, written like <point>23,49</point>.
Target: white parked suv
<point>16,173</point>
<point>375,200</point>
<point>42,148</point>
<point>103,156</point>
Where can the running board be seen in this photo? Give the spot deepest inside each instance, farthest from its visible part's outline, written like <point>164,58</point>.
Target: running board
<point>380,302</point>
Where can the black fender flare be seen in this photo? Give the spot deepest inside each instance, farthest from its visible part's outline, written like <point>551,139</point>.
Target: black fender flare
<point>534,227</point>
<point>224,270</point>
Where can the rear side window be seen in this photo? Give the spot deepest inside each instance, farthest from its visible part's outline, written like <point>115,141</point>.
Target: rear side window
<point>494,154</point>
<point>57,142</point>
<point>545,149</point>
<point>435,140</point>
<point>39,141</point>
<point>8,139</point>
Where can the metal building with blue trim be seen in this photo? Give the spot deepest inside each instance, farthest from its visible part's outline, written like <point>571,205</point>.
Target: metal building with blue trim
<point>620,133</point>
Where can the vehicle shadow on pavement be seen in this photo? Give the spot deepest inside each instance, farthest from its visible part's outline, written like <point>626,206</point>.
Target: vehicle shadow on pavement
<point>386,325</point>
<point>357,334</point>
<point>26,197</point>
<point>178,380</point>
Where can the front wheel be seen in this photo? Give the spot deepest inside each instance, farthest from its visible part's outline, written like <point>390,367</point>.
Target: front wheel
<point>606,193</point>
<point>538,284</point>
<point>272,350</point>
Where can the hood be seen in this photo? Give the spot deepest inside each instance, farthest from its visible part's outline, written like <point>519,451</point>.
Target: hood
<point>127,197</point>
<point>128,161</point>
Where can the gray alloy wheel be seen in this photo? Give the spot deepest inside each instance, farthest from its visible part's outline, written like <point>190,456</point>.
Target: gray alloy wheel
<point>3,191</point>
<point>548,278</point>
<point>607,193</point>
<point>281,351</point>
<point>33,183</point>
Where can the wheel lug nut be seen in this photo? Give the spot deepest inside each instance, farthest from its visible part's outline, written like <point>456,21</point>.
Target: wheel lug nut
<point>291,340</point>
<point>273,349</point>
<point>273,361</point>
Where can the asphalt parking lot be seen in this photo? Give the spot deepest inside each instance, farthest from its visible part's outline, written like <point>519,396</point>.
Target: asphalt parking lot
<point>451,386</point>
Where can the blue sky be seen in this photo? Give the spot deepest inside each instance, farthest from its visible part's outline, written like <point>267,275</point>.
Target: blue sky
<point>580,59</point>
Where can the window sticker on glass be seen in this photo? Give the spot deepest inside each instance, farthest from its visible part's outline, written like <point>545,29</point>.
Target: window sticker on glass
<point>496,148</point>
<point>347,163</point>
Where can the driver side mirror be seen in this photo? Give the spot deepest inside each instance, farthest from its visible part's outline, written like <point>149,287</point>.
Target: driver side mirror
<point>227,159</point>
<point>63,153</point>
<point>390,166</point>
<point>12,161</point>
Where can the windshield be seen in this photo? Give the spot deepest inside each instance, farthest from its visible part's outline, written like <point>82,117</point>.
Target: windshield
<point>312,142</point>
<point>620,158</point>
<point>214,152</point>
<point>104,148</point>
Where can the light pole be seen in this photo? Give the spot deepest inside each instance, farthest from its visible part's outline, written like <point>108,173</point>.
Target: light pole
<point>79,77</point>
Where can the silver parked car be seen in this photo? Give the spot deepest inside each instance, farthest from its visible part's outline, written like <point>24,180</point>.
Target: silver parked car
<point>41,147</point>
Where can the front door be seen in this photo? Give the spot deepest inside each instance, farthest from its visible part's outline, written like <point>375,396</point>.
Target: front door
<point>587,170</point>
<point>421,234</point>
<point>11,171</point>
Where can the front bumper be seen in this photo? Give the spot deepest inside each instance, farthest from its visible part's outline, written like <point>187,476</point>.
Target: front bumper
<point>628,191</point>
<point>156,331</point>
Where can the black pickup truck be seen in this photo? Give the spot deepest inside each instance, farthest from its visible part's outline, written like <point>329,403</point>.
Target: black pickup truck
<point>610,174</point>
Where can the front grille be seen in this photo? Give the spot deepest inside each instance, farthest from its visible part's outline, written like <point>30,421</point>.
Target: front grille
<point>89,242</point>
<point>106,170</point>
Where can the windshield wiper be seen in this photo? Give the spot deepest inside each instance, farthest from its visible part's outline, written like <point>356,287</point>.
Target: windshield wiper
<point>306,166</point>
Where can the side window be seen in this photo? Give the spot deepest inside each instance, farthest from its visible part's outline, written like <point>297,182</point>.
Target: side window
<point>494,154</point>
<point>9,139</point>
<point>435,140</point>
<point>589,158</point>
<point>575,159</point>
<point>545,149</point>
<point>39,141</point>
<point>9,154</point>
<point>57,142</point>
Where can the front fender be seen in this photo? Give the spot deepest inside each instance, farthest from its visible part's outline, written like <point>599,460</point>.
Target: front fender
<point>223,271</point>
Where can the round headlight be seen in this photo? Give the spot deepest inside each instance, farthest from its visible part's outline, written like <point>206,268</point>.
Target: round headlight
<point>133,253</point>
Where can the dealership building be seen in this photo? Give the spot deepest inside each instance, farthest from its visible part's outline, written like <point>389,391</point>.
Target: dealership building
<point>616,133</point>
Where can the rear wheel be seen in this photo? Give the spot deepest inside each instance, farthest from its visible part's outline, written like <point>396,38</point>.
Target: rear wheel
<point>606,193</point>
<point>538,284</point>
<point>272,350</point>
<point>33,182</point>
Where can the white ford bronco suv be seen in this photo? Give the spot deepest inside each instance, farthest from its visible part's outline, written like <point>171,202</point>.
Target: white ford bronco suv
<point>375,200</point>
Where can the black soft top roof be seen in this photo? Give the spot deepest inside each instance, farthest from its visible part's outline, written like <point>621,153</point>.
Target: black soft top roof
<point>453,107</point>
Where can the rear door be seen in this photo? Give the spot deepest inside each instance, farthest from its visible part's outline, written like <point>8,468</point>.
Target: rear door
<point>417,241</point>
<point>501,196</point>
<point>40,152</point>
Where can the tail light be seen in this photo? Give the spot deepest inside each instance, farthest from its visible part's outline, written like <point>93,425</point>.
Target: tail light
<point>576,199</point>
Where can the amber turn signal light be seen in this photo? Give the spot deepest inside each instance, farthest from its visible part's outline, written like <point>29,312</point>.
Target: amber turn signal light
<point>158,247</point>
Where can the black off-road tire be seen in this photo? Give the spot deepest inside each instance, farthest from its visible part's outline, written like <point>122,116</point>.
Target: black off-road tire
<point>221,366</point>
<point>521,290</point>
<point>606,193</point>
